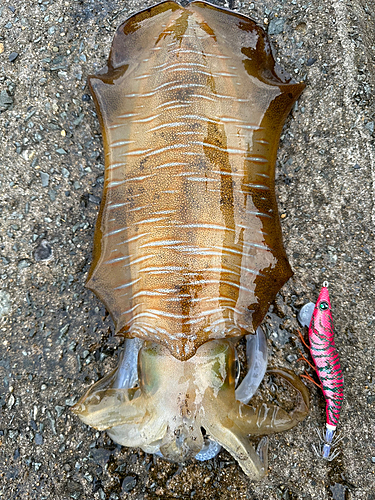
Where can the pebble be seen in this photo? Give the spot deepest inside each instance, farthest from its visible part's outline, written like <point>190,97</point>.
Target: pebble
<point>128,484</point>
<point>13,56</point>
<point>44,178</point>
<point>38,439</point>
<point>338,491</point>
<point>64,329</point>
<point>5,303</point>
<point>370,127</point>
<point>52,195</point>
<point>291,357</point>
<point>11,401</point>
<point>59,410</point>
<point>94,199</point>
<point>276,26</point>
<point>6,100</point>
<point>43,252</point>
<point>23,264</point>
<point>310,61</point>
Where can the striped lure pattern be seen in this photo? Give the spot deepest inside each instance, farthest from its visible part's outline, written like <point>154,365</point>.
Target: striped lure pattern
<point>326,359</point>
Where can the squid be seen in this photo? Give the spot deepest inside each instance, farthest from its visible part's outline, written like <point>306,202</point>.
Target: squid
<point>188,252</point>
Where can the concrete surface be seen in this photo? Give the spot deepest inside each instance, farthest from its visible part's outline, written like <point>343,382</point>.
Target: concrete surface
<point>56,338</point>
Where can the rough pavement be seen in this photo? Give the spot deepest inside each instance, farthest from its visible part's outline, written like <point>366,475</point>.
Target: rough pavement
<point>57,339</point>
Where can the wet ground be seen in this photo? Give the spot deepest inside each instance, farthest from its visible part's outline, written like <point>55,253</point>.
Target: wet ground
<point>56,338</point>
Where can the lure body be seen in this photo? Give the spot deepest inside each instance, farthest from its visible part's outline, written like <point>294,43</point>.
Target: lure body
<point>327,363</point>
<point>188,251</point>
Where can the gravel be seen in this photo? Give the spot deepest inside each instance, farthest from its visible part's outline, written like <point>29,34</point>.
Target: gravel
<point>57,338</point>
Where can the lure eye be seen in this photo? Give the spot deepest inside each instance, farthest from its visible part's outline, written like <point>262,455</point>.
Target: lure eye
<point>323,306</point>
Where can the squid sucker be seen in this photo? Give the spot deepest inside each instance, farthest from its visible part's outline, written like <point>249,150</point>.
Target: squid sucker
<point>188,251</point>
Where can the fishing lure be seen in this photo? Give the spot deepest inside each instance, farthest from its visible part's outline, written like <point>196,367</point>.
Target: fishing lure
<point>188,251</point>
<point>327,362</point>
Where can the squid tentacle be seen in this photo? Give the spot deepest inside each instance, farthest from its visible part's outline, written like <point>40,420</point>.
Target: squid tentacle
<point>269,418</point>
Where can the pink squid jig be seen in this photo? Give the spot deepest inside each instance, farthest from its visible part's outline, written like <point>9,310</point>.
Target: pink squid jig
<point>327,362</point>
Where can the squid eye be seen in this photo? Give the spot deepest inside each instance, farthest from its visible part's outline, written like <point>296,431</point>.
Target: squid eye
<point>323,306</point>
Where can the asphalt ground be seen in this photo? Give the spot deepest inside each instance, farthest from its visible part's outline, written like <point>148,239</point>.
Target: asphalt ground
<point>56,337</point>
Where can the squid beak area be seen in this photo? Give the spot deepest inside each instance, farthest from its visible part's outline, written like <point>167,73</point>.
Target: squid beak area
<point>176,399</point>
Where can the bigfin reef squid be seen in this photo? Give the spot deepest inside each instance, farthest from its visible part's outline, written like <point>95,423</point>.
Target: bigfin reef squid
<point>188,252</point>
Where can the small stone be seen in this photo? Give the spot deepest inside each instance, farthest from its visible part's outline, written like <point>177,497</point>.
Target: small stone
<point>128,484</point>
<point>38,439</point>
<point>1,48</point>
<point>59,410</point>
<point>64,329</point>
<point>63,75</point>
<point>23,264</point>
<point>43,252</point>
<point>310,61</point>
<point>61,151</point>
<point>291,357</point>
<point>338,491</point>
<point>370,127</point>
<point>43,387</point>
<point>86,97</point>
<point>71,401</point>
<point>276,26</point>
<point>52,195</point>
<point>65,172</point>
<point>74,489</point>
<point>11,401</point>
<point>94,199</point>
<point>44,178</point>
<point>6,100</point>
<point>13,56</point>
<point>4,303</point>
